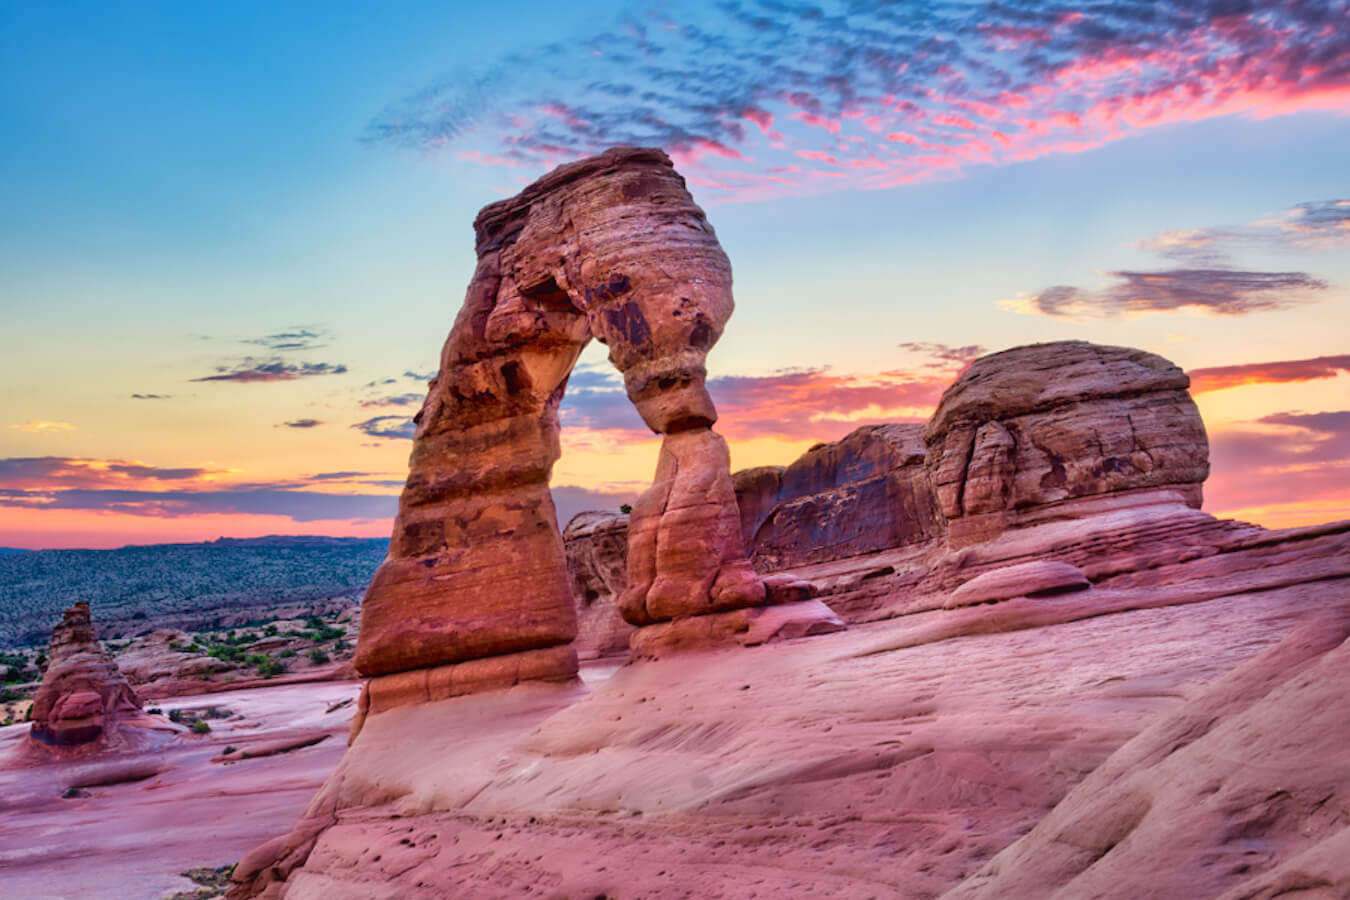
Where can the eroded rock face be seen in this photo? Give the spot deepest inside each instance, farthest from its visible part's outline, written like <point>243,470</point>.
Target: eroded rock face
<point>83,695</point>
<point>596,544</point>
<point>866,492</point>
<point>1039,432</point>
<point>611,247</point>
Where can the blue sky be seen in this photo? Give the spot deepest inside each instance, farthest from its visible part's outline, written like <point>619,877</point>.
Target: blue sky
<point>182,183</point>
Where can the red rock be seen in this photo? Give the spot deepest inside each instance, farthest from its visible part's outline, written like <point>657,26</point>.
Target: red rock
<point>596,544</point>
<point>1039,577</point>
<point>611,247</point>
<point>1038,432</point>
<point>83,697</point>
<point>866,492</point>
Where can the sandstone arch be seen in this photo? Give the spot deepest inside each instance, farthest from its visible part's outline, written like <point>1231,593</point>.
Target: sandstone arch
<point>475,591</point>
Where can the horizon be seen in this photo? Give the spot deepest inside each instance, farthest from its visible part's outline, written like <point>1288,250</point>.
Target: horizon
<point>239,236</point>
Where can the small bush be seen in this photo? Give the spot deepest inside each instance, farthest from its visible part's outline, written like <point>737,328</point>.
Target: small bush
<point>271,668</point>
<point>318,657</point>
<point>625,508</point>
<point>287,653</point>
<point>200,727</point>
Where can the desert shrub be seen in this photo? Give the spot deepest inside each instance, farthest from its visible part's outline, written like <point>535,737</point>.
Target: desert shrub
<point>625,508</point>
<point>176,715</point>
<point>270,631</point>
<point>270,668</point>
<point>255,659</point>
<point>287,653</point>
<point>318,657</point>
<point>200,727</point>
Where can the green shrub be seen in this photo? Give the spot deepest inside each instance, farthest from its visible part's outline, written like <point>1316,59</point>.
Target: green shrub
<point>270,668</point>
<point>287,653</point>
<point>200,727</point>
<point>318,657</point>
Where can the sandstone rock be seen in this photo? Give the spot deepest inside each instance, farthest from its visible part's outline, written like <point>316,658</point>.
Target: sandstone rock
<point>596,544</point>
<point>1033,432</point>
<point>1243,792</point>
<point>866,492</point>
<point>83,696</point>
<point>611,247</point>
<point>156,669</point>
<point>1027,579</point>
<point>756,493</point>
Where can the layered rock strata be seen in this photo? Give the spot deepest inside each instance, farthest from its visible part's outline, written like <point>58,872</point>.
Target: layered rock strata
<point>83,696</point>
<point>611,247</point>
<point>1048,430</point>
<point>866,492</point>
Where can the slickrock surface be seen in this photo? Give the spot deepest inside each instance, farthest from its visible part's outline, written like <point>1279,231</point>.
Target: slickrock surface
<point>1025,433</point>
<point>84,701</point>
<point>1020,580</point>
<point>136,819</point>
<point>611,247</point>
<point>896,759</point>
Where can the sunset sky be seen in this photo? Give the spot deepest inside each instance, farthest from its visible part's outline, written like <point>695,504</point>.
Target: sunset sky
<point>235,236</point>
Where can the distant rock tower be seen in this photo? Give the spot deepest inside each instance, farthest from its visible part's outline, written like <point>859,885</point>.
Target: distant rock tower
<point>83,695</point>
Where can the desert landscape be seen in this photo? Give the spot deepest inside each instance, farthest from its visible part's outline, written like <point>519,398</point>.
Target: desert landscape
<point>1001,654</point>
<point>675,450</point>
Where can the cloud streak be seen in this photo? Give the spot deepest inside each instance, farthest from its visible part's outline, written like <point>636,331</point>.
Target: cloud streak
<point>249,371</point>
<point>1282,464</point>
<point>1224,292</point>
<point>1218,378</point>
<point>758,98</point>
<point>41,426</point>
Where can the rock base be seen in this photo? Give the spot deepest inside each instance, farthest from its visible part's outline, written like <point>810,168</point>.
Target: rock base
<point>386,692</point>
<point>736,628</point>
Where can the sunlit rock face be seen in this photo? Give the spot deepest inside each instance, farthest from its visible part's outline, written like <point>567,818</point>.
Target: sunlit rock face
<point>868,491</point>
<point>1061,430</point>
<point>83,694</point>
<point>614,248</point>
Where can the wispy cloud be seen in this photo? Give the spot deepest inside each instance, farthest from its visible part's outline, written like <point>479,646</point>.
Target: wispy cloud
<point>135,488</point>
<point>1225,292</point>
<point>760,98</point>
<point>1312,225</point>
<point>1282,463</point>
<point>797,404</point>
<point>41,426</point>
<point>302,423</point>
<point>253,370</point>
<point>396,427</point>
<point>67,471</point>
<point>292,339</point>
<point>1218,378</point>
<point>392,400</point>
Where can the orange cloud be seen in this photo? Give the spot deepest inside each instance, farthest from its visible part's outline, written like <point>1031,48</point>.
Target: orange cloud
<point>1220,378</point>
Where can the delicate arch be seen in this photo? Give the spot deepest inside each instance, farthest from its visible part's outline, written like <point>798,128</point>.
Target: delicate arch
<point>474,591</point>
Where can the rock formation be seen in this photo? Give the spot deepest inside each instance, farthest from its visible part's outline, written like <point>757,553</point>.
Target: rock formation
<point>596,544</point>
<point>866,492</point>
<point>83,697</point>
<point>1051,430</point>
<point>475,590</point>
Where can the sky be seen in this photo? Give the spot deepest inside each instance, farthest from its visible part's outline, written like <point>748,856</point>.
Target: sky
<point>235,235</point>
